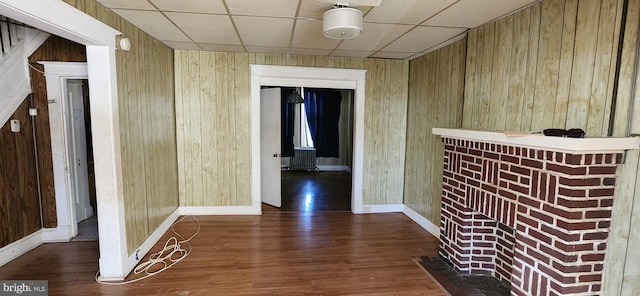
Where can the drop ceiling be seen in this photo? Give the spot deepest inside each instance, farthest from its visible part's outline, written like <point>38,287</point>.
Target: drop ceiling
<point>393,29</point>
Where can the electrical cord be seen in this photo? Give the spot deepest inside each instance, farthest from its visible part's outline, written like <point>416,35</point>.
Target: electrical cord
<point>172,253</point>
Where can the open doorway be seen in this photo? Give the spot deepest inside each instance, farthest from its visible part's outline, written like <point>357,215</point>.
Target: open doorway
<point>264,75</point>
<point>317,149</point>
<point>72,151</point>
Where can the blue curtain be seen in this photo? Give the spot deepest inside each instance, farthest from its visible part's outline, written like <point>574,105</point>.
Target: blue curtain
<point>287,123</point>
<point>323,115</point>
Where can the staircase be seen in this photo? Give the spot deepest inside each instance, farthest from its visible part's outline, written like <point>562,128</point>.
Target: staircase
<point>17,43</point>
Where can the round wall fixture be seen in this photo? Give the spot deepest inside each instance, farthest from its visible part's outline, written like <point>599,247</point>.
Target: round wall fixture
<point>342,23</point>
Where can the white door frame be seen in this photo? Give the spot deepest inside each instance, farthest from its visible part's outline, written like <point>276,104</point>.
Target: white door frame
<point>59,18</point>
<point>57,74</point>
<point>309,77</point>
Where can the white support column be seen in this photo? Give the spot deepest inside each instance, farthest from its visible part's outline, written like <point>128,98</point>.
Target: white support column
<point>108,166</point>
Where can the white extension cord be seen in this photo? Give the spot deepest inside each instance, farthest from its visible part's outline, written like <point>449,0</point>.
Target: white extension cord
<point>172,253</point>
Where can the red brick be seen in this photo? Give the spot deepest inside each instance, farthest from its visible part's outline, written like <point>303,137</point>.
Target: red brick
<point>491,155</point>
<point>526,221</point>
<point>475,152</point>
<point>578,247</point>
<point>566,169</point>
<point>540,236</point>
<point>580,181</point>
<point>598,214</point>
<point>571,268</point>
<point>602,170</point>
<point>574,159</point>
<point>508,176</point>
<point>570,192</point>
<point>520,170</point>
<point>595,236</point>
<point>609,181</point>
<point>569,289</point>
<point>592,257</point>
<point>532,163</point>
<point>541,216</point>
<point>601,192</point>
<point>562,213</point>
<point>575,225</point>
<point>556,276</point>
<point>590,278</point>
<point>529,201</point>
<point>606,202</point>
<point>570,203</point>
<point>518,188</point>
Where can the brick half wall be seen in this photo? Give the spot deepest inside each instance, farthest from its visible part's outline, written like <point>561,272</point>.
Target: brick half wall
<point>537,218</point>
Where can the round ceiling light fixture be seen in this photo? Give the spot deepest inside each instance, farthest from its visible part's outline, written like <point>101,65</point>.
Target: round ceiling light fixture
<point>342,22</point>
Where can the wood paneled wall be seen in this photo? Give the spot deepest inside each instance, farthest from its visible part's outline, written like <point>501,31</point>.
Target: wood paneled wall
<point>436,87</point>
<point>147,126</point>
<point>61,50</point>
<point>19,201</point>
<point>621,274</point>
<point>212,107</point>
<point>551,65</point>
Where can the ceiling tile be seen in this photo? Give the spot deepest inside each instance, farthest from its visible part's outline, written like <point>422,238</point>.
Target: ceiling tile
<point>392,55</point>
<point>274,8</point>
<point>206,28</point>
<point>308,34</point>
<point>351,53</point>
<point>310,51</point>
<point>264,31</point>
<point>407,12</point>
<point>127,4</point>
<point>222,47</point>
<point>313,9</point>
<point>154,23</point>
<point>201,6</point>
<point>422,38</point>
<point>182,45</point>
<point>473,13</point>
<point>375,36</point>
<point>265,49</point>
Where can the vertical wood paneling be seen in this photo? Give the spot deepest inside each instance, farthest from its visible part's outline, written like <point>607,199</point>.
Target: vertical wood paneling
<point>54,49</point>
<point>435,96</point>
<point>19,201</point>
<point>621,274</point>
<point>546,66</point>
<point>147,126</point>
<point>222,89</point>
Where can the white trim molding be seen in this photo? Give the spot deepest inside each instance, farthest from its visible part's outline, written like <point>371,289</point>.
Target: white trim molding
<point>130,261</point>
<point>56,74</point>
<point>309,77</point>
<point>422,221</point>
<point>220,210</point>
<point>391,208</point>
<point>14,82</point>
<point>20,247</point>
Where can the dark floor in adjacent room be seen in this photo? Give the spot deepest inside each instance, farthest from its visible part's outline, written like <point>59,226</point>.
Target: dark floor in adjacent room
<point>458,284</point>
<point>316,191</point>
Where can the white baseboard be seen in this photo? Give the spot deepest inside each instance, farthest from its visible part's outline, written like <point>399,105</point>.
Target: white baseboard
<point>134,258</point>
<point>62,233</point>
<point>392,208</point>
<point>422,221</point>
<point>221,210</point>
<point>19,247</point>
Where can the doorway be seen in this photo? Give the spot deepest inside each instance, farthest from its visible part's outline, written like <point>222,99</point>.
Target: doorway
<point>317,149</point>
<point>262,75</point>
<point>72,151</point>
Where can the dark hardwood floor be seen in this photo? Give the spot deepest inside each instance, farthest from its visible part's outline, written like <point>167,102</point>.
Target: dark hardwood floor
<point>304,191</point>
<point>278,253</point>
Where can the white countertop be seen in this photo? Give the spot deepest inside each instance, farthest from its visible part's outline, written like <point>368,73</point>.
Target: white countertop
<point>540,141</point>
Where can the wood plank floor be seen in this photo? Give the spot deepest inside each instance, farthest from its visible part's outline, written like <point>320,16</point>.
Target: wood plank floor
<point>278,253</point>
<point>316,191</point>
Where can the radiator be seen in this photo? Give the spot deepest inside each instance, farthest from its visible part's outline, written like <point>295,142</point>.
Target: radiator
<point>303,159</point>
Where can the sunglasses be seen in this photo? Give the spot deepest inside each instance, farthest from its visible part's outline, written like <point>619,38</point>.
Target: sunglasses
<point>570,133</point>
